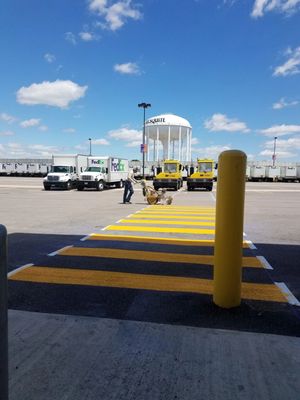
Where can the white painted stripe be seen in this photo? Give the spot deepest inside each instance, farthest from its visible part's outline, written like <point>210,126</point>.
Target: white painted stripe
<point>272,190</point>
<point>11,273</point>
<point>213,197</point>
<point>251,245</point>
<point>58,251</point>
<point>117,222</point>
<point>85,238</point>
<point>288,294</point>
<point>106,227</point>
<point>264,262</point>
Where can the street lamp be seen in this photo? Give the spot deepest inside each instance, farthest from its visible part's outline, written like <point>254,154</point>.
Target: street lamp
<point>274,152</point>
<point>144,106</point>
<point>90,146</point>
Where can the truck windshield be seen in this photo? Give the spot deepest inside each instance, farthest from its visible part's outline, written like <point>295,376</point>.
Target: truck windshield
<point>205,167</point>
<point>94,169</point>
<point>171,168</point>
<point>60,168</point>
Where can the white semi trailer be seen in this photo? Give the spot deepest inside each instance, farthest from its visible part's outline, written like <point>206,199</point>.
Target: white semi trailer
<point>288,173</point>
<point>272,173</point>
<point>103,172</point>
<point>65,170</point>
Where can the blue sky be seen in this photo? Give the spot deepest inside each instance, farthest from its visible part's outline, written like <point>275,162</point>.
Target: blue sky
<point>76,69</point>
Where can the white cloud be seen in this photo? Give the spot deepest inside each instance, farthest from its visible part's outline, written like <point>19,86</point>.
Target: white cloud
<point>7,118</point>
<point>28,123</point>
<point>7,133</point>
<point>282,103</point>
<point>43,128</point>
<point>69,130</point>
<point>50,58</point>
<point>261,7</point>
<point>220,122</point>
<point>116,14</point>
<point>88,36</point>
<point>57,94</point>
<point>209,151</point>
<point>128,135</point>
<point>127,68</point>
<point>195,140</point>
<point>291,66</point>
<point>280,130</point>
<point>135,143</point>
<point>100,142</point>
<point>70,37</point>
<point>43,149</point>
<point>19,150</point>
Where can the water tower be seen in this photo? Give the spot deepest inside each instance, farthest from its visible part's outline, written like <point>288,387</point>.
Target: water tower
<point>168,136</point>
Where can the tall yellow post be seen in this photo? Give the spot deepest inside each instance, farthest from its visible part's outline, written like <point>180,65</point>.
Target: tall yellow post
<point>229,228</point>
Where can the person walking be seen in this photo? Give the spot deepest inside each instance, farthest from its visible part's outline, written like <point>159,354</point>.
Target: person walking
<point>128,188</point>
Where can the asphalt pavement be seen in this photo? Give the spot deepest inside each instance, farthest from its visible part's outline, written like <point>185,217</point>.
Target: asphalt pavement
<point>94,312</point>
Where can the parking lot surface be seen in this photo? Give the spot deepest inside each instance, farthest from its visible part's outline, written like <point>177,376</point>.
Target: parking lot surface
<point>85,255</point>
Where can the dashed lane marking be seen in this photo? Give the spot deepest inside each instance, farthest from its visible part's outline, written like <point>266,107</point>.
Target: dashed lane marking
<point>251,291</point>
<point>140,255</point>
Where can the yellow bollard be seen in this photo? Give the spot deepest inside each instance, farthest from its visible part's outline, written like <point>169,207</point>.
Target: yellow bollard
<point>228,251</point>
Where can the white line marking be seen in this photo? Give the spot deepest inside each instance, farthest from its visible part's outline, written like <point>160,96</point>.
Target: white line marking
<point>213,196</point>
<point>117,222</point>
<point>85,238</point>
<point>288,294</point>
<point>11,273</point>
<point>264,262</point>
<point>251,245</point>
<point>59,251</point>
<point>106,227</point>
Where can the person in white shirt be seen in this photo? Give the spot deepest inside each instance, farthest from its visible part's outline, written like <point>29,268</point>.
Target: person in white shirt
<point>128,189</point>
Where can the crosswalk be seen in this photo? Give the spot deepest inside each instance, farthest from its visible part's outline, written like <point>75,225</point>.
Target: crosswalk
<point>176,257</point>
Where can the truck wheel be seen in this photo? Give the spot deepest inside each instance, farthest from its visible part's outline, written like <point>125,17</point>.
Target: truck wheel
<point>80,188</point>
<point>47,187</point>
<point>69,185</point>
<point>120,184</point>
<point>210,188</point>
<point>189,188</point>
<point>100,186</point>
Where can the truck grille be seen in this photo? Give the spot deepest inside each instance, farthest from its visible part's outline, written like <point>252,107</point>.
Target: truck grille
<point>87,178</point>
<point>53,178</point>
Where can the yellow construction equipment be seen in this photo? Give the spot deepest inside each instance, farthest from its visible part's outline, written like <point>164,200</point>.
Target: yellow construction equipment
<point>170,177</point>
<point>203,177</point>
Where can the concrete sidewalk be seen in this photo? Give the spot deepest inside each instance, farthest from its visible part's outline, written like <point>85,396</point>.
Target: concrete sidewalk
<point>60,357</point>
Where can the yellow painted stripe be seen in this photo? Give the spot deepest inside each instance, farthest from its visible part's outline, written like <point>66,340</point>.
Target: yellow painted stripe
<point>161,222</point>
<point>196,218</point>
<point>159,229</point>
<point>179,208</point>
<point>199,214</point>
<point>265,292</point>
<point>160,240</point>
<point>151,256</point>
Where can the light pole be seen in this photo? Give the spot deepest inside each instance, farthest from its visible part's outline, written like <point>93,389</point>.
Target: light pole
<point>274,152</point>
<point>144,106</point>
<point>90,146</point>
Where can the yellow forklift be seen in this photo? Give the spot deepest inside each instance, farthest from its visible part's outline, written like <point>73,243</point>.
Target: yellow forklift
<point>170,177</point>
<point>203,177</point>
